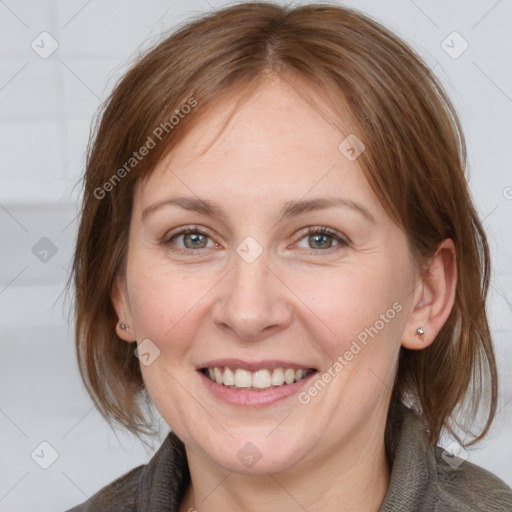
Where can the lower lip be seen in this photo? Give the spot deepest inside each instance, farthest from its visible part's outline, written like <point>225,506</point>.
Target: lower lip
<point>254,398</point>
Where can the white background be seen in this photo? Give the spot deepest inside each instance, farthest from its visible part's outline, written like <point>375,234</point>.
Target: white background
<point>46,107</point>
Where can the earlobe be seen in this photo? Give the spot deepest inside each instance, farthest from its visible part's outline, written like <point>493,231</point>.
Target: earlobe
<point>123,331</point>
<point>120,303</point>
<point>434,300</point>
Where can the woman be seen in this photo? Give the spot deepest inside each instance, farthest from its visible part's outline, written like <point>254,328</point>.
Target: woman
<point>277,249</point>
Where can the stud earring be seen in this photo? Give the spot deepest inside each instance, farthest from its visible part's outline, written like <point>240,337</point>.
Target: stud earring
<point>420,332</point>
<point>123,326</point>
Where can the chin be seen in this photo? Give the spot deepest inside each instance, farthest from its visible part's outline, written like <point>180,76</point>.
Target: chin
<point>250,453</point>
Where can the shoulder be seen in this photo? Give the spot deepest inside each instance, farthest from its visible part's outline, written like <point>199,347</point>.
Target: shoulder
<point>118,496</point>
<point>466,487</point>
<point>157,485</point>
<point>424,479</point>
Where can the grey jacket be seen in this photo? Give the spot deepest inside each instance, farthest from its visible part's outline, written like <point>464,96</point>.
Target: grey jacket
<point>421,480</point>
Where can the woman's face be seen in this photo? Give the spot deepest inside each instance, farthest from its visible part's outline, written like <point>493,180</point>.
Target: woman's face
<point>250,288</point>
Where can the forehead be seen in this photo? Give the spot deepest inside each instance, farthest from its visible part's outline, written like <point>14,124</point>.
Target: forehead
<point>282,141</point>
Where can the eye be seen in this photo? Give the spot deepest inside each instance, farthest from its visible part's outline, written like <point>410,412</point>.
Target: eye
<point>189,240</point>
<point>321,238</point>
<point>192,239</point>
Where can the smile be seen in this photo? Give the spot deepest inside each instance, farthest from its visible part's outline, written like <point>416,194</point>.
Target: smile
<point>259,380</point>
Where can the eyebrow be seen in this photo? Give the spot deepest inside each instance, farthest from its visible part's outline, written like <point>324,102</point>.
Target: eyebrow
<point>289,209</point>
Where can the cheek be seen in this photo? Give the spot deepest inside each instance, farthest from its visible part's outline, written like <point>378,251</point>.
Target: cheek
<point>358,306</point>
<point>366,311</point>
<point>367,317</point>
<point>166,308</point>
<point>161,303</point>
<point>170,307</point>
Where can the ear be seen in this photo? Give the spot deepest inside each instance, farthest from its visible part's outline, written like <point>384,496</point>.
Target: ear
<point>434,296</point>
<point>119,297</point>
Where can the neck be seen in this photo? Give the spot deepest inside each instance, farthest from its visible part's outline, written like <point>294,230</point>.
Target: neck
<point>346,477</point>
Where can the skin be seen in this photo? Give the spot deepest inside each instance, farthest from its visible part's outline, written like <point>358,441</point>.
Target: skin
<point>303,300</point>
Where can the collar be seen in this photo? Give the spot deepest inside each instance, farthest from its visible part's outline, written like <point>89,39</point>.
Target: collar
<point>165,478</point>
<point>412,485</point>
<point>413,480</point>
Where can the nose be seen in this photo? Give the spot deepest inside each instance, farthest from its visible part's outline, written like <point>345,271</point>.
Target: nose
<point>253,302</point>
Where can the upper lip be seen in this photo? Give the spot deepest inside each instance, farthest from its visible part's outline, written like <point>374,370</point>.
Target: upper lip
<point>253,365</point>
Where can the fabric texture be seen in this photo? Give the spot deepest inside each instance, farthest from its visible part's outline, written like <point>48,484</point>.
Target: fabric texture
<point>421,480</point>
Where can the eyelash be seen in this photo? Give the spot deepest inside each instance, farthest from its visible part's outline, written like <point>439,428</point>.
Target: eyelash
<point>310,230</point>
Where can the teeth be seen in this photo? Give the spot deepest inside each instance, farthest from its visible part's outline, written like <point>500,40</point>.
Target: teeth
<point>277,377</point>
<point>242,378</point>
<point>289,376</point>
<point>229,377</point>
<point>260,379</point>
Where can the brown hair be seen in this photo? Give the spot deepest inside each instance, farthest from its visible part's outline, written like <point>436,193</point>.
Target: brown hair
<point>415,161</point>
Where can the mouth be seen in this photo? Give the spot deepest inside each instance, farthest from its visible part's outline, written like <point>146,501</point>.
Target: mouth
<point>262,379</point>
